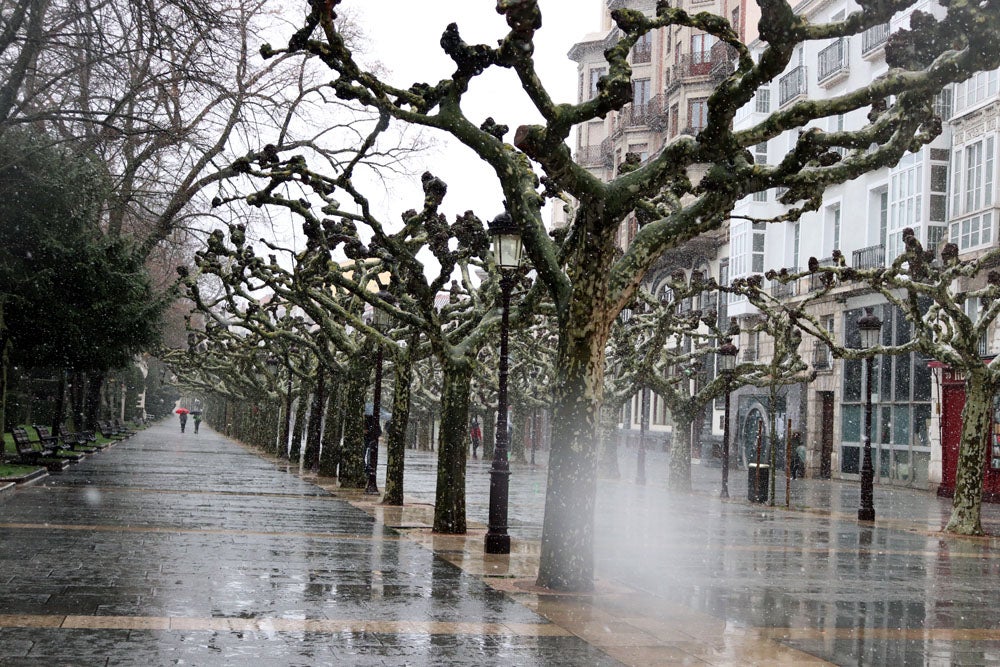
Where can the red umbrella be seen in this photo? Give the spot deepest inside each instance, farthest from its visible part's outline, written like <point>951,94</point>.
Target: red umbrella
<point>182,411</point>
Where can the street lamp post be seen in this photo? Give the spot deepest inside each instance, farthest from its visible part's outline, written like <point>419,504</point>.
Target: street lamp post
<point>380,321</point>
<point>870,327</point>
<point>507,257</point>
<point>727,363</point>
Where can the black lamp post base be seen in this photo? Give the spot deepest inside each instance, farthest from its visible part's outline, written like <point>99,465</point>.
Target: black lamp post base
<point>497,544</point>
<point>866,514</point>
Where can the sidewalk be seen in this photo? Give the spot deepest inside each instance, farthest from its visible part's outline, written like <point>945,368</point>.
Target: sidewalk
<point>185,549</point>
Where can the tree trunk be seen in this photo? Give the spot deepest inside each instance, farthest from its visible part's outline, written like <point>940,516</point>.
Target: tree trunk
<point>976,429</point>
<point>679,472</point>
<point>93,400</point>
<point>76,398</point>
<point>449,505</point>
<point>4,345</point>
<point>396,442</point>
<point>566,561</point>
<point>352,464</point>
<point>489,426</point>
<point>609,443</point>
<point>298,428</point>
<point>333,429</point>
<point>519,413</point>
<point>315,422</point>
<point>60,408</point>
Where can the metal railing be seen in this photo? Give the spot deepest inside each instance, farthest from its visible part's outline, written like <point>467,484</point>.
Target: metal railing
<point>871,257</point>
<point>593,155</point>
<point>792,85</point>
<point>634,115</point>
<point>820,281</point>
<point>785,290</point>
<point>874,37</point>
<point>832,61</point>
<point>642,53</point>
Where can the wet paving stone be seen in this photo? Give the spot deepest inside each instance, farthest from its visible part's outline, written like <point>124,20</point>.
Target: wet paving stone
<point>173,550</point>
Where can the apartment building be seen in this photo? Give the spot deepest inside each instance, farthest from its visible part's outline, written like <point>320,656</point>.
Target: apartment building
<point>943,192</point>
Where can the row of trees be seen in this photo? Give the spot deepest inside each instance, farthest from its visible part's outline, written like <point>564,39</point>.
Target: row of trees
<point>581,279</point>
<point>689,187</point>
<point>121,121</point>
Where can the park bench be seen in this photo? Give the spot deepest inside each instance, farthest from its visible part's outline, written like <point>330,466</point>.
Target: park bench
<point>76,440</point>
<point>45,437</point>
<point>122,428</point>
<point>108,431</point>
<point>29,451</point>
<point>49,440</point>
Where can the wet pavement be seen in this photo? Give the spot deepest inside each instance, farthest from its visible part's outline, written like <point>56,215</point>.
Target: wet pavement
<point>191,550</point>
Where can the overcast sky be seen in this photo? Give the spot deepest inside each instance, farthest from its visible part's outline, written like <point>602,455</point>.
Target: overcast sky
<point>405,38</point>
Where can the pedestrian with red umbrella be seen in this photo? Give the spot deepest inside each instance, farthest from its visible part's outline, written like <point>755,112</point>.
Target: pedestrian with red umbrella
<point>183,414</point>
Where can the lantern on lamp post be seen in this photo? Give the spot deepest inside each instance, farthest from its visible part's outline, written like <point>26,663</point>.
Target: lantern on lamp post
<point>870,327</point>
<point>507,250</point>
<point>726,358</point>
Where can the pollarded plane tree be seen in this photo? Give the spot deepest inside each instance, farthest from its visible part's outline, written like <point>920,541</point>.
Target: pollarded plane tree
<point>454,330</point>
<point>587,282</point>
<point>679,346</point>
<point>951,306</point>
<point>315,315</point>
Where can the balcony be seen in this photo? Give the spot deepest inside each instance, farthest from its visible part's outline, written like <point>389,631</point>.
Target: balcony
<point>871,257</point>
<point>785,290</point>
<point>833,63</point>
<point>642,53</point>
<point>699,65</point>
<point>792,85</point>
<point>595,156</point>
<point>820,281</point>
<point>873,38</point>
<point>639,115</point>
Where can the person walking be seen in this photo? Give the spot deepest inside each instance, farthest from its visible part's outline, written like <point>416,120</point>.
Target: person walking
<point>476,434</point>
<point>184,419</point>
<point>197,419</point>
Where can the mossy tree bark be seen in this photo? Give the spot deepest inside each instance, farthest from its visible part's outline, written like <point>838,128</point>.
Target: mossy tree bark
<point>396,442</point>
<point>352,465</point>
<point>977,427</point>
<point>299,428</point>
<point>333,430</point>
<point>679,471</point>
<point>567,551</point>
<point>449,504</point>
<point>314,430</point>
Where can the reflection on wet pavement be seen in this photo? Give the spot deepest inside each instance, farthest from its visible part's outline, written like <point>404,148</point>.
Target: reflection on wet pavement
<point>168,549</point>
<point>173,550</point>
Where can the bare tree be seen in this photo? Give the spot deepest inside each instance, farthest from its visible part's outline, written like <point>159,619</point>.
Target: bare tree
<point>586,280</point>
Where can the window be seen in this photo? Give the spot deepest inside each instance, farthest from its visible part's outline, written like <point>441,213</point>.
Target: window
<point>760,157</point>
<point>675,115</point>
<point>762,100</point>
<point>643,49</point>
<point>835,222</point>
<point>746,253</point>
<point>905,202</point>
<point>973,232</point>
<point>640,93</point>
<point>642,150</point>
<point>736,21</point>
<point>701,48</point>
<point>697,114</point>
<point>757,247</point>
<point>795,246</point>
<point>595,76</point>
<point>977,89</point>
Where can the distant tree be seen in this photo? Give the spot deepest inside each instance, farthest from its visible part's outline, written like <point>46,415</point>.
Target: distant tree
<point>72,297</point>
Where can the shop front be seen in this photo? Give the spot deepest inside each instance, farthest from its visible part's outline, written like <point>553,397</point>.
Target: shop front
<point>952,403</point>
